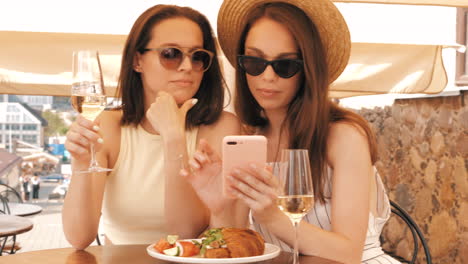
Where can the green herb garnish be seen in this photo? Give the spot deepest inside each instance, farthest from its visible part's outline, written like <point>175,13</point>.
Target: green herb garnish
<point>210,236</point>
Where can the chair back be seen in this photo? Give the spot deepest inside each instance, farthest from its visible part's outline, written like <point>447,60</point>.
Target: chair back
<point>416,233</point>
<point>4,208</point>
<point>10,194</point>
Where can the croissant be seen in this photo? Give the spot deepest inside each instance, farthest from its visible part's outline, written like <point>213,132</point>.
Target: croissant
<point>240,242</point>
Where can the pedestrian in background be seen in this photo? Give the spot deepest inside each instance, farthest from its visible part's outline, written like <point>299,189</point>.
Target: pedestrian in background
<point>36,185</point>
<point>26,186</point>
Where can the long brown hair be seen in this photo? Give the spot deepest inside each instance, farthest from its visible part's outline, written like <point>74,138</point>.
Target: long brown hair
<point>311,112</point>
<point>210,94</point>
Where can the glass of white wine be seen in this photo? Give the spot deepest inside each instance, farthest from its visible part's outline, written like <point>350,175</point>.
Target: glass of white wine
<point>296,194</point>
<point>87,92</point>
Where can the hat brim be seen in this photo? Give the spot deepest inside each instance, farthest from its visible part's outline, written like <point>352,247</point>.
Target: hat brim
<point>324,14</point>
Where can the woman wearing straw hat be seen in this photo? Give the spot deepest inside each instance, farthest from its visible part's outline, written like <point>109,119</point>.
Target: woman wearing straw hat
<point>286,54</point>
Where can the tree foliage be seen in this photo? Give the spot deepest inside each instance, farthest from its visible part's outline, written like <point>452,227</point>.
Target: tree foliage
<point>56,125</point>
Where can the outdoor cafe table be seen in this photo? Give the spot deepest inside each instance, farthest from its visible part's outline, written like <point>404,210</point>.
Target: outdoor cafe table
<point>11,225</point>
<point>133,254</point>
<point>24,209</point>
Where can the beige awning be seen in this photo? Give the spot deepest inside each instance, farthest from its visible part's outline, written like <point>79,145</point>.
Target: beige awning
<point>376,68</point>
<point>454,3</point>
<point>41,157</point>
<point>39,63</point>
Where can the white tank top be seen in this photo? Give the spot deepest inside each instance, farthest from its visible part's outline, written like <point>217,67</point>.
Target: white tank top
<point>320,216</point>
<point>133,205</point>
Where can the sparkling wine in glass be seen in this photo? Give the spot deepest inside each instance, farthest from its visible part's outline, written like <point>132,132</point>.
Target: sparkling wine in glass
<point>87,93</point>
<point>296,194</point>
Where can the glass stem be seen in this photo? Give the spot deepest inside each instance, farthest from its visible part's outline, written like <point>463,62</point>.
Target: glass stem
<point>93,163</point>
<point>296,241</point>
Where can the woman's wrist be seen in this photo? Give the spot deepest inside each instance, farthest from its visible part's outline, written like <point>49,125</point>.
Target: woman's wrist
<point>173,136</point>
<point>226,216</point>
<point>79,165</point>
<point>268,216</point>
<point>224,219</point>
<point>175,149</point>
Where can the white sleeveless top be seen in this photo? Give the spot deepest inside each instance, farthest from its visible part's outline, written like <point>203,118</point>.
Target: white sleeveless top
<point>133,205</point>
<point>320,216</point>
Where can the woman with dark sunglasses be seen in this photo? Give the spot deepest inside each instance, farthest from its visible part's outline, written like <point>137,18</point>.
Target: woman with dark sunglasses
<point>172,94</point>
<point>286,54</point>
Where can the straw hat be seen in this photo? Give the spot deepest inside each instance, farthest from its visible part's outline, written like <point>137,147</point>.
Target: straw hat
<point>326,17</point>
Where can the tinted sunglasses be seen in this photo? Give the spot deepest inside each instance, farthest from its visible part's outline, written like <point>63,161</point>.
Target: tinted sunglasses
<point>284,68</point>
<point>171,57</point>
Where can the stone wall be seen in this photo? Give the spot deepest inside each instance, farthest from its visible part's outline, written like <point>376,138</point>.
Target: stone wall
<point>423,160</point>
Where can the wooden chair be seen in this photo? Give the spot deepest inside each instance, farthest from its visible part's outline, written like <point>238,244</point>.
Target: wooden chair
<point>416,233</point>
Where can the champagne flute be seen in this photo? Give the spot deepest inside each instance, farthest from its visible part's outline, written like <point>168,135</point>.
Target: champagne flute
<point>296,194</point>
<point>87,92</point>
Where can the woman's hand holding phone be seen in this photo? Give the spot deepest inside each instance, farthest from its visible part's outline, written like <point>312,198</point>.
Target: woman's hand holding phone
<point>204,174</point>
<point>246,176</point>
<point>256,187</point>
<point>241,176</point>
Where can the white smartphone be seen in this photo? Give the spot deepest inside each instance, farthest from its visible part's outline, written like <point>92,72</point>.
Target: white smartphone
<point>239,151</point>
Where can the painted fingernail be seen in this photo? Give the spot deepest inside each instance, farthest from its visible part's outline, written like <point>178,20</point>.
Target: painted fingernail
<point>96,128</point>
<point>194,164</point>
<point>194,100</point>
<point>100,140</point>
<point>200,157</point>
<point>183,172</point>
<point>253,165</point>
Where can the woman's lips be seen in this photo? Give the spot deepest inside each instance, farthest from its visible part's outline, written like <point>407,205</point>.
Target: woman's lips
<point>183,82</point>
<point>268,92</point>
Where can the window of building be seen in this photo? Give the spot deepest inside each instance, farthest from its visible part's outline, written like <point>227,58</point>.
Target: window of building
<point>15,127</point>
<point>7,126</point>
<point>29,127</point>
<point>30,138</point>
<point>13,118</point>
<point>462,38</point>
<point>26,118</point>
<point>12,109</point>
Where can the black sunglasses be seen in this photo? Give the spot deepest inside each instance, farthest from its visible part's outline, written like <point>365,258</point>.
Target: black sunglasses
<point>172,57</point>
<point>284,68</point>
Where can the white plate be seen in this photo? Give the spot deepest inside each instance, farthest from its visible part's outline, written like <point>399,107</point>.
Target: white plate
<point>271,251</point>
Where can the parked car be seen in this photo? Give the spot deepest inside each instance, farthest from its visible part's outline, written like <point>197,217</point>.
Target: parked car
<point>55,177</point>
<point>59,192</point>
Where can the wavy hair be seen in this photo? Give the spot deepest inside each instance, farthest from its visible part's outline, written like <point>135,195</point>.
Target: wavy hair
<point>311,111</point>
<point>210,94</point>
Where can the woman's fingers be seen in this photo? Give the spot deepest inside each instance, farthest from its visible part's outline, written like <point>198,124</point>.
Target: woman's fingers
<point>255,192</point>
<point>194,164</point>
<point>257,204</point>
<point>203,155</point>
<point>206,148</point>
<point>89,131</point>
<point>252,181</point>
<point>84,122</point>
<point>76,138</point>
<point>75,149</point>
<point>201,158</point>
<point>81,135</point>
